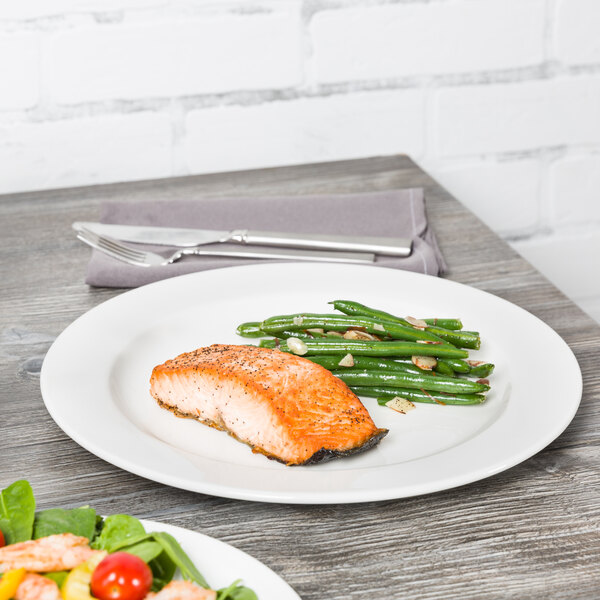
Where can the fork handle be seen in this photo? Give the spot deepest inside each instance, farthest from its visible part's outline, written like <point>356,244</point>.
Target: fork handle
<point>283,254</point>
<point>379,245</point>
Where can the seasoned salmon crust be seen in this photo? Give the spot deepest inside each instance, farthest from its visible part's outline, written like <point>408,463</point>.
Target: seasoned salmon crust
<point>283,406</point>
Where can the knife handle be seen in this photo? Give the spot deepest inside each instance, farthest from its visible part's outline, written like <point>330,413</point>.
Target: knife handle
<point>378,245</point>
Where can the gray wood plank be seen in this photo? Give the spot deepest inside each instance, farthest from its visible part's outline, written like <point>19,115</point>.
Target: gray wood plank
<point>529,532</point>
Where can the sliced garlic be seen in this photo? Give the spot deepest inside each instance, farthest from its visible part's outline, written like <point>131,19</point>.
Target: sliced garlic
<point>416,323</point>
<point>298,320</point>
<point>424,362</point>
<point>335,334</point>
<point>317,331</point>
<point>297,346</point>
<point>347,361</point>
<point>353,334</point>
<point>475,363</point>
<point>378,327</point>
<point>399,404</point>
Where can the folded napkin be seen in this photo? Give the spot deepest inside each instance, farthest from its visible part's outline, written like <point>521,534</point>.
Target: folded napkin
<point>390,213</point>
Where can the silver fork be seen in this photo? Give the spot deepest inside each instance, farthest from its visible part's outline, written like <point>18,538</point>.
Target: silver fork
<point>144,258</point>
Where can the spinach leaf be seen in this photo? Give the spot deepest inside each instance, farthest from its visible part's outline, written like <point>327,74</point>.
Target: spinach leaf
<point>163,570</point>
<point>236,592</point>
<point>118,529</point>
<point>243,593</point>
<point>57,576</point>
<point>180,558</point>
<point>129,541</point>
<point>78,521</point>
<point>17,511</point>
<point>146,550</point>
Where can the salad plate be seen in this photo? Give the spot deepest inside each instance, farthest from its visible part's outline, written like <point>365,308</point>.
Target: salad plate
<point>221,563</point>
<point>95,384</point>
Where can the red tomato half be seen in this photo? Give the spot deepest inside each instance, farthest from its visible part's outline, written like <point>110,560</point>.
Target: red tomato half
<point>2,541</point>
<point>121,576</point>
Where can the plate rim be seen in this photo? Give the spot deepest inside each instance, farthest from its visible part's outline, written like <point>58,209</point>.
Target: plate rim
<point>187,537</point>
<point>295,497</point>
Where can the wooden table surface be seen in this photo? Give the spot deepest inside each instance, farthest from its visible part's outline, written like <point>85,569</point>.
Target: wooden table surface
<point>529,532</point>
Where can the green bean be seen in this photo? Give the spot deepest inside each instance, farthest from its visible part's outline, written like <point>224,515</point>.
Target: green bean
<point>443,368</point>
<point>454,324</point>
<point>284,335</point>
<point>480,370</point>
<point>366,362</point>
<point>372,348</point>
<point>456,364</point>
<point>251,330</point>
<point>334,322</point>
<point>410,380</point>
<point>461,339</point>
<point>384,395</point>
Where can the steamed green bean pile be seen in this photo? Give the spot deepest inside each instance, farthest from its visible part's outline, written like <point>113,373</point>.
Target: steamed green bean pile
<point>383,356</point>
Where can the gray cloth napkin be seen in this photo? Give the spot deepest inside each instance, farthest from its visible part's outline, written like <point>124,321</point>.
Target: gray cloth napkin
<point>392,213</point>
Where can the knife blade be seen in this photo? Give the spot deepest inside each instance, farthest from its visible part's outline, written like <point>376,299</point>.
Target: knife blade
<point>184,238</point>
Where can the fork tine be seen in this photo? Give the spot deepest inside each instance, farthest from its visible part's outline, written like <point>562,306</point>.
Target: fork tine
<point>106,251</point>
<point>125,250</point>
<point>111,244</point>
<point>111,247</point>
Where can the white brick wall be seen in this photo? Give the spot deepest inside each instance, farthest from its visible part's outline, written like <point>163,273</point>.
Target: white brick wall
<point>497,99</point>
<point>35,9</point>
<point>577,32</point>
<point>19,70</point>
<point>305,130</point>
<point>398,40</point>
<point>176,57</point>
<point>575,189</point>
<point>505,195</point>
<point>509,117</point>
<point>85,151</point>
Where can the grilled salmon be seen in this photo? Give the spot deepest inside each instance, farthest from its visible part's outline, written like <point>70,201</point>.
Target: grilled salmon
<point>282,405</point>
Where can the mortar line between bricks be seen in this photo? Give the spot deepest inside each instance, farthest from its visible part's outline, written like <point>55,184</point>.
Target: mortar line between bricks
<point>543,232</point>
<point>64,20</point>
<point>552,153</point>
<point>53,112</point>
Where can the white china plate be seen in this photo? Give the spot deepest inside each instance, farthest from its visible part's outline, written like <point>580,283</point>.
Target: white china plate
<point>95,377</point>
<point>221,564</point>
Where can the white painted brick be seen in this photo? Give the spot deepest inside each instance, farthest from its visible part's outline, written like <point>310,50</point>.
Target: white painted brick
<point>305,130</point>
<point>570,261</point>
<point>575,190</point>
<point>427,37</point>
<point>578,31</point>
<point>84,151</point>
<point>517,116</point>
<point>19,70</point>
<point>214,54</point>
<point>504,195</point>
<point>35,9</point>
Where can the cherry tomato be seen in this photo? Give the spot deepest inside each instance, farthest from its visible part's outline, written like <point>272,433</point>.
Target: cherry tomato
<point>121,576</point>
<point>2,540</point>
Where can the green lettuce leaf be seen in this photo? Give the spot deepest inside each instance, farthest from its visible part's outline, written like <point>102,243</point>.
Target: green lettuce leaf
<point>78,521</point>
<point>17,512</point>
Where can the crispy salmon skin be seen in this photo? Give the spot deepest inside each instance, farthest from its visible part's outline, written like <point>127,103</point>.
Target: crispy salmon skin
<point>281,405</point>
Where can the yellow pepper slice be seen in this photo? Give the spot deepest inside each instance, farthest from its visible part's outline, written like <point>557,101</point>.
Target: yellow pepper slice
<point>77,584</point>
<point>10,582</point>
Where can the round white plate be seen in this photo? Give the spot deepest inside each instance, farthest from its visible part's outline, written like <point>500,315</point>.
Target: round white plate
<point>221,564</point>
<point>95,385</point>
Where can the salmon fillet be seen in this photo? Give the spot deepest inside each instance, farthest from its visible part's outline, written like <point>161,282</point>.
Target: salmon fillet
<point>283,406</point>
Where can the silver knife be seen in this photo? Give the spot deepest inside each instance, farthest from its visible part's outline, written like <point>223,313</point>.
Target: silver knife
<point>184,238</point>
